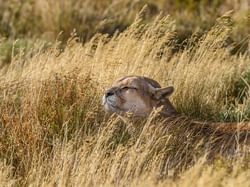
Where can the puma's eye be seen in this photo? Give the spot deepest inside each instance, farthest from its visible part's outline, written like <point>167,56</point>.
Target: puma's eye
<point>125,88</point>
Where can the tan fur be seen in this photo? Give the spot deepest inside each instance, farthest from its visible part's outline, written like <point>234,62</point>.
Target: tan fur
<point>138,95</point>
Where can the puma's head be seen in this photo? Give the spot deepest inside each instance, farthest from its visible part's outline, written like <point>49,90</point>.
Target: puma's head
<point>138,95</point>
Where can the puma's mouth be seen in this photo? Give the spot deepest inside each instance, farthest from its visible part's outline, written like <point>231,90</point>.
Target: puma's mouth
<point>109,103</point>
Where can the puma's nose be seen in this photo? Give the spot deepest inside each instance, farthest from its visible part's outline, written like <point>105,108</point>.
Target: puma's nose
<point>109,93</point>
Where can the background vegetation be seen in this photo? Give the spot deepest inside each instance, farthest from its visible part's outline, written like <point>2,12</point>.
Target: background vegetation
<point>57,57</point>
<point>52,21</point>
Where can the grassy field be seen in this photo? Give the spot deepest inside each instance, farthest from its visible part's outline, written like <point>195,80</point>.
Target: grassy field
<point>48,21</point>
<point>53,130</point>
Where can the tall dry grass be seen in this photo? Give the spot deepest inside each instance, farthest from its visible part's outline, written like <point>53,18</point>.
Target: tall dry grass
<point>54,132</point>
<point>46,19</point>
<point>32,21</point>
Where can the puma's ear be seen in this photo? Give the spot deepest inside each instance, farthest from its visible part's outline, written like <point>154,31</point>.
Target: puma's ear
<point>160,93</point>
